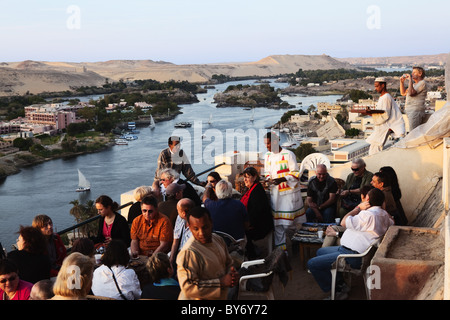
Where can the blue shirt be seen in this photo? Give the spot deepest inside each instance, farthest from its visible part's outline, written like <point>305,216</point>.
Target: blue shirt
<point>229,216</point>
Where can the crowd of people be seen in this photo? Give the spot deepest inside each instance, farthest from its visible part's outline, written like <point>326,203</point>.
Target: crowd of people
<point>179,233</point>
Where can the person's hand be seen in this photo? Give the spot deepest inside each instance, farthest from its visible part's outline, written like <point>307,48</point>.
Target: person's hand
<point>364,205</point>
<point>277,181</point>
<point>330,231</point>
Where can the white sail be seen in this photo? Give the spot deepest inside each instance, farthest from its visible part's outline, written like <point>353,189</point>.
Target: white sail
<point>152,122</point>
<point>83,183</point>
<point>210,119</point>
<point>253,115</point>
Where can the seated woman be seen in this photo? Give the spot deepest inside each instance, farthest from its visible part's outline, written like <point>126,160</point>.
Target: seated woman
<point>111,224</point>
<point>112,279</point>
<point>400,219</point>
<point>258,208</point>
<point>210,188</point>
<point>31,257</point>
<point>135,209</point>
<point>70,285</point>
<point>163,285</point>
<point>11,286</point>
<point>55,247</point>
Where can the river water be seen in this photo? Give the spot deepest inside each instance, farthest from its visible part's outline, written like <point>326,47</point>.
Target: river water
<point>48,188</point>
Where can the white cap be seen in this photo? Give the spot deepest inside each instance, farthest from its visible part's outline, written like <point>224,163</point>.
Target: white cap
<point>380,79</point>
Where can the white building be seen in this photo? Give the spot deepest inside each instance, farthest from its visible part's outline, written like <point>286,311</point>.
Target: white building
<point>345,150</point>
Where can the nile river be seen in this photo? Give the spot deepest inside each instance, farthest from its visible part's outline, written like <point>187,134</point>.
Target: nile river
<point>48,188</point>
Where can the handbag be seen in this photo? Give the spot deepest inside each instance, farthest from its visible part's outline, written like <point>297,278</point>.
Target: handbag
<point>117,285</point>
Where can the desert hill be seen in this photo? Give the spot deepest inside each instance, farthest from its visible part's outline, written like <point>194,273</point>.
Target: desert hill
<point>39,76</point>
<point>17,78</point>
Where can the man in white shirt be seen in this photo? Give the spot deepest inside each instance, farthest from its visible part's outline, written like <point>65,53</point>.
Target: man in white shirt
<point>416,94</point>
<point>364,225</point>
<point>391,120</point>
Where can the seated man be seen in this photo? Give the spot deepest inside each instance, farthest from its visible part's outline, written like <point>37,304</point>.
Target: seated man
<point>321,197</point>
<point>169,176</point>
<point>362,229</point>
<point>228,215</point>
<point>151,231</point>
<point>204,266</point>
<point>350,193</point>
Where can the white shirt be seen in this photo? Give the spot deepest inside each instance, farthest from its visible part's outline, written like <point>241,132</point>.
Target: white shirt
<point>103,283</point>
<point>365,227</point>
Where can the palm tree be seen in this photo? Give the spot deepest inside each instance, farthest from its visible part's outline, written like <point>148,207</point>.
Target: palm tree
<point>82,212</point>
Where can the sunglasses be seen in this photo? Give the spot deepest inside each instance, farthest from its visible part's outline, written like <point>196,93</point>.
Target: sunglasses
<point>10,279</point>
<point>147,210</point>
<point>355,169</point>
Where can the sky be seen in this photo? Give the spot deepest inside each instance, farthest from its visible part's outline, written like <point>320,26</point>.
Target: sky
<point>217,31</point>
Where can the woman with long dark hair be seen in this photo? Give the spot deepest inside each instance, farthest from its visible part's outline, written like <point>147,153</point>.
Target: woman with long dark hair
<point>112,225</point>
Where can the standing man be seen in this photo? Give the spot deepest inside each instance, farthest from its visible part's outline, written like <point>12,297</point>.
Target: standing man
<point>415,96</point>
<point>281,170</point>
<point>151,231</point>
<point>204,266</point>
<point>175,158</point>
<point>391,120</point>
<point>321,196</point>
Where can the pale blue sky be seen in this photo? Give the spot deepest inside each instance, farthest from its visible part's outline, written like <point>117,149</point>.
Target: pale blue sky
<point>209,31</point>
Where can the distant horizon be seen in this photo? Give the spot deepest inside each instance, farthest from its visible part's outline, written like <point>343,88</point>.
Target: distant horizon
<point>227,62</point>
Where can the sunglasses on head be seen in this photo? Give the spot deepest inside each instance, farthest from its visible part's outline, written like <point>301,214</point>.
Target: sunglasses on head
<point>10,279</point>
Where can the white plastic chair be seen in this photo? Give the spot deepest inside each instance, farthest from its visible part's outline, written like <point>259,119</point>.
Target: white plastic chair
<point>311,161</point>
<point>243,292</point>
<point>340,265</point>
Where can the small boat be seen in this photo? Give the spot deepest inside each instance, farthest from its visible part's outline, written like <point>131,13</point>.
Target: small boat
<point>183,125</point>
<point>121,142</point>
<point>152,123</point>
<point>210,119</point>
<point>253,116</point>
<point>83,183</point>
<point>131,125</point>
<point>128,137</point>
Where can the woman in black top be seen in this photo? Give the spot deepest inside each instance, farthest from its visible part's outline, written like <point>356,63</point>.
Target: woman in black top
<point>31,257</point>
<point>258,208</point>
<point>112,225</point>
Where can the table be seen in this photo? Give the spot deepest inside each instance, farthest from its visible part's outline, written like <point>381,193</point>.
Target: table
<point>305,245</point>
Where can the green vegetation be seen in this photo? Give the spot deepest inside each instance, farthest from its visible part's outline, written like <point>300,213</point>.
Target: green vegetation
<point>303,150</point>
<point>287,115</point>
<point>319,76</point>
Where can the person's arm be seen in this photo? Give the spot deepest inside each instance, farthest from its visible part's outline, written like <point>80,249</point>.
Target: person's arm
<point>164,246</point>
<point>411,90</point>
<point>402,85</point>
<point>331,200</point>
<point>134,246</point>
<point>174,250</point>
<point>354,212</point>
